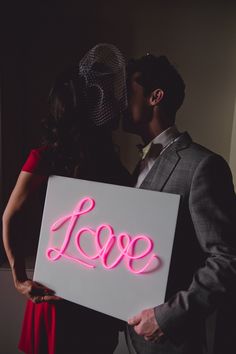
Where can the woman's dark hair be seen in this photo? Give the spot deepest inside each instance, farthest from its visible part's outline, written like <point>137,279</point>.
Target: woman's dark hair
<point>65,127</point>
<point>75,147</point>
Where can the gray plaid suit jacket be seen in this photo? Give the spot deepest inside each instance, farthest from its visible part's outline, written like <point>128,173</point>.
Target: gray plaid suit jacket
<point>202,274</point>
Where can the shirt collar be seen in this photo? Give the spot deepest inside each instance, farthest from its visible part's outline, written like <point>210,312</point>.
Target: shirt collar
<point>163,140</point>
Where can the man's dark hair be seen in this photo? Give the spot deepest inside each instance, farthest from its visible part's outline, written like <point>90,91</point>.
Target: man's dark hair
<point>158,72</point>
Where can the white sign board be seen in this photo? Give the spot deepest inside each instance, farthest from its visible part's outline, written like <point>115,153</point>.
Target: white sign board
<point>106,247</point>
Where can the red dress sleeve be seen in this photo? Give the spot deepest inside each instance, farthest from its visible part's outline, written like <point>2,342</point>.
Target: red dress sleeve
<point>37,162</point>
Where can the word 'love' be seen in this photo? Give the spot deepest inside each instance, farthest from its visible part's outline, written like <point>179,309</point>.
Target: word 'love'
<point>123,242</point>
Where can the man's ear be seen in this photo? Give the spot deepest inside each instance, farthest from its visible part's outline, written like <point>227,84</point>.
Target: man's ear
<point>156,97</point>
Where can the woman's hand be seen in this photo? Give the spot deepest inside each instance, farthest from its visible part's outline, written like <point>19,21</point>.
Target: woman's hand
<point>35,292</point>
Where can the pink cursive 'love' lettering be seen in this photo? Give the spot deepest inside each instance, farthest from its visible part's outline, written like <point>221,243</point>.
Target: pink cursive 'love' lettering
<point>123,242</point>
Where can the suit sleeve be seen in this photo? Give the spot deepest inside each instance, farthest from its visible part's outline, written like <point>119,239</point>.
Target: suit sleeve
<point>212,206</point>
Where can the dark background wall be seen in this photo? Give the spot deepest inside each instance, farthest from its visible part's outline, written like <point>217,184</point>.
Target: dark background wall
<point>42,38</point>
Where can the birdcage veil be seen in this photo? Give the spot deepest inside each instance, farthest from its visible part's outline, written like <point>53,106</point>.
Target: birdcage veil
<point>103,72</point>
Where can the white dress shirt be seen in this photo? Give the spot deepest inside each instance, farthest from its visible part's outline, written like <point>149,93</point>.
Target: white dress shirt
<point>155,148</point>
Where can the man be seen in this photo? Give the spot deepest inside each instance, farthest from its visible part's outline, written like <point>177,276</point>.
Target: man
<point>202,273</point>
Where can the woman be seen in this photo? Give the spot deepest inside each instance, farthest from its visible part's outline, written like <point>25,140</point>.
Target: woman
<point>77,143</point>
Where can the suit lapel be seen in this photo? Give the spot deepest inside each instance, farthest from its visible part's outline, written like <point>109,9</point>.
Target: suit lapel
<point>165,164</point>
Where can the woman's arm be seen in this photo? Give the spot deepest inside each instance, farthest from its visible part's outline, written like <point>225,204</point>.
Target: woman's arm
<point>25,187</point>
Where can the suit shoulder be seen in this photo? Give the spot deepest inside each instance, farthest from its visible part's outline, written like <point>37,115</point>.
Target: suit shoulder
<point>198,153</point>
<point>194,156</point>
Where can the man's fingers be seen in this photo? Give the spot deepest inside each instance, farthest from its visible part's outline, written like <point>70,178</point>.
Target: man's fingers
<point>142,331</point>
<point>152,339</point>
<point>148,339</point>
<point>157,337</point>
<point>151,336</point>
<point>138,329</point>
<point>134,320</point>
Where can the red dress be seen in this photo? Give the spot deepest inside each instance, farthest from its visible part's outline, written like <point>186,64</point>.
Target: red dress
<point>61,326</point>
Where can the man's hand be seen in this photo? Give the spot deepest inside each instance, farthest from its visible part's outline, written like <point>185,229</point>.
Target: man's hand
<point>36,292</point>
<point>145,324</point>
